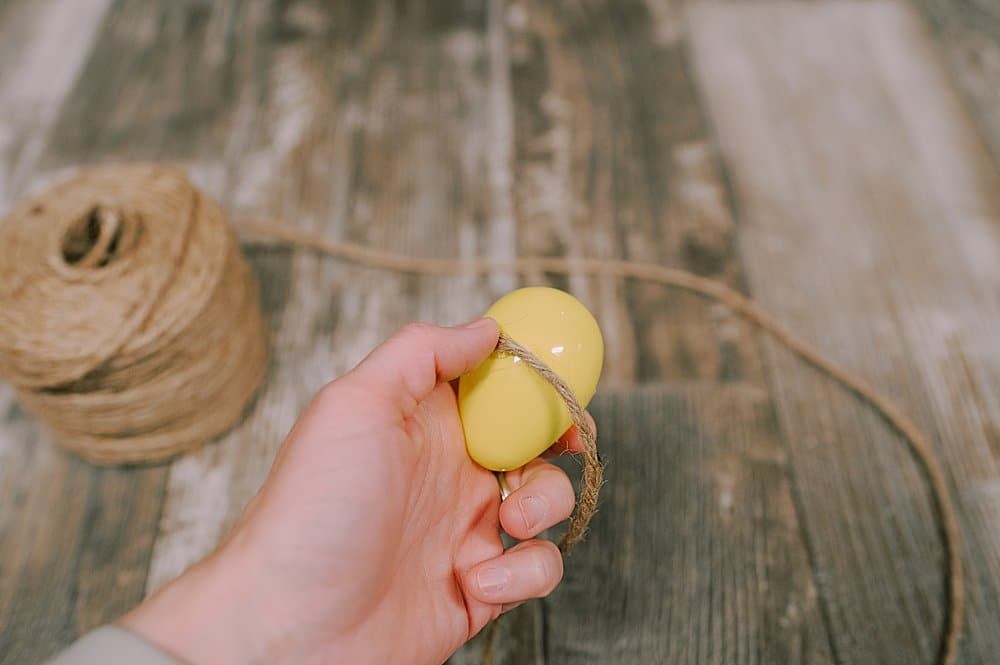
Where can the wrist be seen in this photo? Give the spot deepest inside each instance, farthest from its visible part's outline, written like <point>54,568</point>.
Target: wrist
<point>202,617</point>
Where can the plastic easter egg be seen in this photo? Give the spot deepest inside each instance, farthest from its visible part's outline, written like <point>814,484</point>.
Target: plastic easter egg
<point>510,415</point>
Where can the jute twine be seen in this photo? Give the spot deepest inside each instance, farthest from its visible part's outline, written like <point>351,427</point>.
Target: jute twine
<point>123,289</point>
<point>129,320</point>
<point>593,469</point>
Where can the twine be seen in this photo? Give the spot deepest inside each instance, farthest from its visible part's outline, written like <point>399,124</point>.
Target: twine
<point>129,320</point>
<point>125,288</point>
<point>593,470</point>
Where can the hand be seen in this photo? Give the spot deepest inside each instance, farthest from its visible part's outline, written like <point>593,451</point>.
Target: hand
<point>375,538</point>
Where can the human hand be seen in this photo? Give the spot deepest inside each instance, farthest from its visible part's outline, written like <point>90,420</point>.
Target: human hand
<point>375,538</point>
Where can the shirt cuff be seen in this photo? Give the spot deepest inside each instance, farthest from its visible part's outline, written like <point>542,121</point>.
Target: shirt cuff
<point>110,645</point>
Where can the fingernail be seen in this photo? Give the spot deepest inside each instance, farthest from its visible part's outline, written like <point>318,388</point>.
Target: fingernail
<point>533,509</point>
<point>492,579</point>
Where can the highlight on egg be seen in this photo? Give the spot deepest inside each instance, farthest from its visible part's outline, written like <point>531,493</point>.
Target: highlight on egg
<point>509,414</point>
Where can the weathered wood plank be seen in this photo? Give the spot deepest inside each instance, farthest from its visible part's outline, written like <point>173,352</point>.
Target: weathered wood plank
<point>497,217</point>
<point>164,81</point>
<point>53,37</point>
<point>969,34</point>
<point>77,553</point>
<point>113,560</point>
<point>184,56</point>
<point>868,210</point>
<point>74,540</point>
<point>695,555</point>
<point>613,160</point>
<point>368,122</point>
<point>398,125</point>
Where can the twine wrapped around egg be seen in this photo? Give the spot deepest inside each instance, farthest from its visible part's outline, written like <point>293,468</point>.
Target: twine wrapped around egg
<point>129,320</point>
<point>130,326</point>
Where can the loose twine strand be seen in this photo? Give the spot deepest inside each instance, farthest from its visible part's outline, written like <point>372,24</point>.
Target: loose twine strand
<point>593,470</point>
<point>126,283</point>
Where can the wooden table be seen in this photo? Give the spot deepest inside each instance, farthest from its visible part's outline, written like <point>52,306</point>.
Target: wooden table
<point>836,161</point>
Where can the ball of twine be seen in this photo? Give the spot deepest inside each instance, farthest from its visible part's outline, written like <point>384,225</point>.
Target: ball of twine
<point>129,320</point>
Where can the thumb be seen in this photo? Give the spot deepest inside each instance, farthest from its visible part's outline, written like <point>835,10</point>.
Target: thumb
<point>410,364</point>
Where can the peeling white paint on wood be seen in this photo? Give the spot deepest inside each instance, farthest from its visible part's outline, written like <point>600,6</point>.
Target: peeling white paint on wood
<point>36,78</point>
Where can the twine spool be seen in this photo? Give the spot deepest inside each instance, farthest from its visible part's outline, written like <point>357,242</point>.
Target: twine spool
<point>129,320</point>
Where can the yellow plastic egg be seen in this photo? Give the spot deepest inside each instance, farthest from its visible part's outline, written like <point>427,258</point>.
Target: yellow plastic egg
<point>510,415</point>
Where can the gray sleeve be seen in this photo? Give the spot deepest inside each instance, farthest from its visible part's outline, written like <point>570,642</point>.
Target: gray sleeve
<point>110,645</point>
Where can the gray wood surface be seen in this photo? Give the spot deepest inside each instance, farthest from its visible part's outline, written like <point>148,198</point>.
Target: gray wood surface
<point>696,555</point>
<point>614,160</point>
<point>869,211</point>
<point>968,32</point>
<point>74,540</point>
<point>754,514</point>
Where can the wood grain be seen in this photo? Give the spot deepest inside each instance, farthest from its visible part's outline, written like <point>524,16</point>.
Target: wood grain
<point>53,36</point>
<point>695,555</point>
<point>968,32</point>
<point>74,541</point>
<point>613,160</point>
<point>867,212</point>
<point>754,514</point>
<point>165,81</point>
<point>369,126</point>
